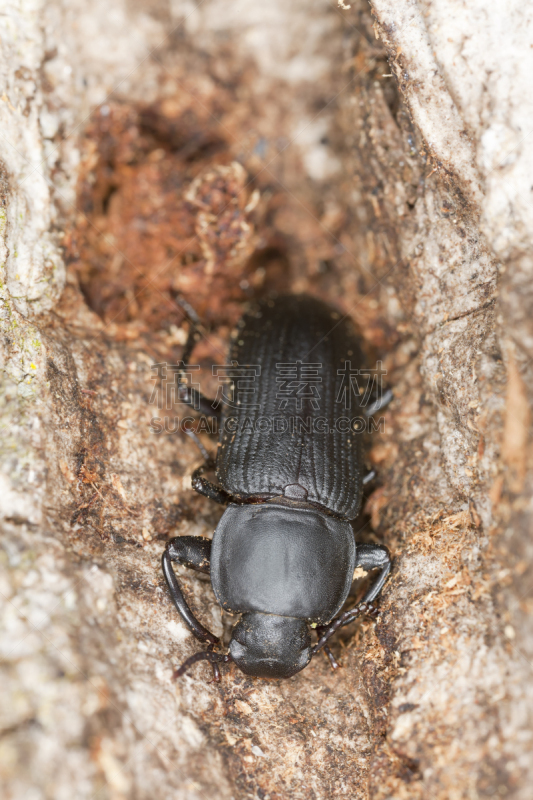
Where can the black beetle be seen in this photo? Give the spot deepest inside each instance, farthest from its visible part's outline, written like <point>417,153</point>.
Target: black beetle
<point>283,554</point>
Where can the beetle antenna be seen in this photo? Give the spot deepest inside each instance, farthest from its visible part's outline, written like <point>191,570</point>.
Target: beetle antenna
<point>343,619</point>
<point>204,655</point>
<point>186,307</point>
<point>194,436</point>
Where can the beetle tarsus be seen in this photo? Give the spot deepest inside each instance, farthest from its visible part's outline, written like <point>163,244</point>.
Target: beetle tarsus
<point>320,630</point>
<point>341,621</point>
<point>204,655</point>
<point>216,673</point>
<point>332,660</point>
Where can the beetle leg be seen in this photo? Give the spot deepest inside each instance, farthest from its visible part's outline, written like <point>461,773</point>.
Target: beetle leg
<point>340,622</point>
<point>187,394</point>
<point>373,556</point>
<point>178,599</point>
<point>332,660</point>
<point>369,477</point>
<point>193,552</point>
<point>208,489</point>
<point>368,556</point>
<point>379,404</point>
<point>206,655</point>
<point>196,439</point>
<point>320,630</point>
<point>216,672</point>
<point>195,399</point>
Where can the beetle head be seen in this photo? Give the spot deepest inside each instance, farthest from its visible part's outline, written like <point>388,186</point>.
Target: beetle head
<point>270,646</point>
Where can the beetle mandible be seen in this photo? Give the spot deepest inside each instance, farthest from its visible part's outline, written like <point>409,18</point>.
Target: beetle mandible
<point>283,554</point>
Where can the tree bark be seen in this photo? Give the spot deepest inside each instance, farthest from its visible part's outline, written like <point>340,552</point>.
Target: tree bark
<point>377,156</point>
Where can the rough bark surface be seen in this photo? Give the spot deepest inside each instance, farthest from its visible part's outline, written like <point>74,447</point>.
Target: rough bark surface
<point>376,156</point>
